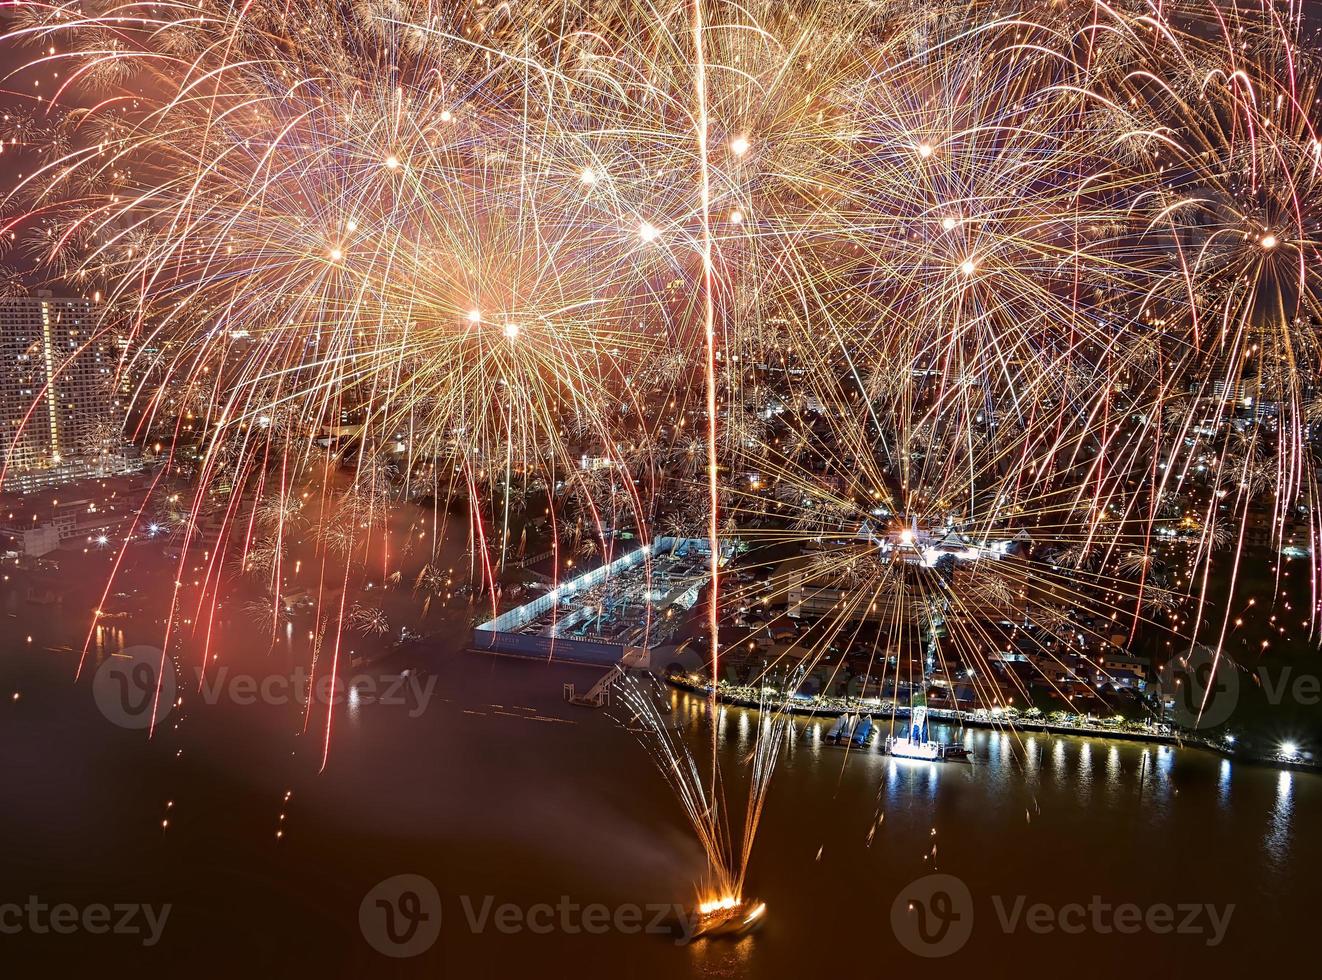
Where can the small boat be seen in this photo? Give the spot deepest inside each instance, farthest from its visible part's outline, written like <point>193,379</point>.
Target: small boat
<point>862,731</point>
<point>838,730</point>
<point>903,748</point>
<point>850,729</point>
<point>906,748</point>
<point>916,744</point>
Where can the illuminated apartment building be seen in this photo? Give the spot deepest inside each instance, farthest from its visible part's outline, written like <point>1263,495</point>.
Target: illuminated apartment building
<point>55,392</point>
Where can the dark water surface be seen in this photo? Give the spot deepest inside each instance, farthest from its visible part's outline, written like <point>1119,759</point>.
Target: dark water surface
<point>498,792</point>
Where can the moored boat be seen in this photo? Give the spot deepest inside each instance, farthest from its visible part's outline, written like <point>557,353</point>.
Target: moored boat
<point>861,732</point>
<point>838,730</point>
<point>916,743</point>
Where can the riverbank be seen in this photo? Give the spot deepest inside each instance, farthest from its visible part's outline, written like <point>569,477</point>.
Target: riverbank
<point>816,706</point>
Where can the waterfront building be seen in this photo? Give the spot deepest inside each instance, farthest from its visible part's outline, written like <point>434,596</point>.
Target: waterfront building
<point>89,514</point>
<point>57,422</point>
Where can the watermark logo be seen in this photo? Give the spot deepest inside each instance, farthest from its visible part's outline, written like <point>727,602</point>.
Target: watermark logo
<point>933,916</point>
<point>125,688</point>
<point>1204,689</point>
<point>401,916</point>
<point>404,690</point>
<point>1208,922</point>
<point>147,922</point>
<point>135,688</point>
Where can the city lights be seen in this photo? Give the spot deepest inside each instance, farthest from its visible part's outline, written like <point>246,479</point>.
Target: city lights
<point>898,400</point>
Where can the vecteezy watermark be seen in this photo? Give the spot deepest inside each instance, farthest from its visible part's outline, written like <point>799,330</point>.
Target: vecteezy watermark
<point>64,919</point>
<point>1203,689</point>
<point>138,687</point>
<point>1201,919</point>
<point>135,688</point>
<point>933,916</point>
<point>401,917</point>
<point>406,690</point>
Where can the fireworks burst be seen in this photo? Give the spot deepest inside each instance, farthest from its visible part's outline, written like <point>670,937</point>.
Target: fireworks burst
<point>800,275</point>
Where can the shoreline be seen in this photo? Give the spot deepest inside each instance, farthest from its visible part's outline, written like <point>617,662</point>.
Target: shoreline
<point>818,707</point>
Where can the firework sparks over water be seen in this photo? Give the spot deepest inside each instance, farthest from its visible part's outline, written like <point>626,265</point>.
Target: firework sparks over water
<point>790,269</point>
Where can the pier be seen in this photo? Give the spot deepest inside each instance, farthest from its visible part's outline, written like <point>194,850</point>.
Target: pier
<point>817,706</point>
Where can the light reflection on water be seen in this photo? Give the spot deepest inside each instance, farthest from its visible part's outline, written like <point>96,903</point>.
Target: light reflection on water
<point>1277,841</point>
<point>1113,767</point>
<point>106,641</point>
<point>502,804</point>
<point>487,804</point>
<point>1083,776</point>
<point>1018,770</point>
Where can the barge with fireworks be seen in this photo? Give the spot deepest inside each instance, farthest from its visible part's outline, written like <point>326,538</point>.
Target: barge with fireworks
<point>727,917</point>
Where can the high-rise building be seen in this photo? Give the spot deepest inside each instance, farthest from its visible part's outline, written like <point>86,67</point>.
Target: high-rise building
<point>55,388</point>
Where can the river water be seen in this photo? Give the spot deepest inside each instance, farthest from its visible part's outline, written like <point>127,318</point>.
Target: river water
<point>483,781</point>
